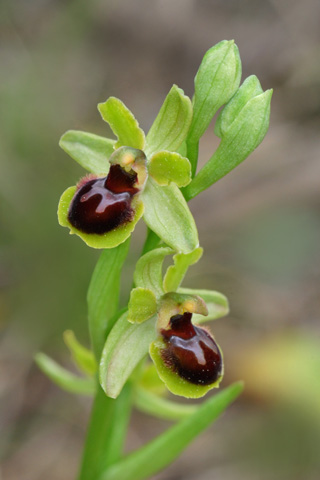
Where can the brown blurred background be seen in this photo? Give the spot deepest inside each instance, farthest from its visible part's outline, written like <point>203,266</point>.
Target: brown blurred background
<point>260,226</point>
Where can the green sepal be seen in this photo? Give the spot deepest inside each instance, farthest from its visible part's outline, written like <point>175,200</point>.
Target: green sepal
<point>122,123</point>
<point>172,123</point>
<point>166,167</point>
<point>82,356</point>
<point>148,272</point>
<point>176,273</point>
<point>126,345</point>
<point>165,448</point>
<point>167,214</point>
<point>216,81</point>
<point>106,240</point>
<point>250,88</point>
<point>142,305</point>
<point>217,304</point>
<point>103,295</point>
<point>91,151</point>
<point>152,404</point>
<point>174,383</point>
<point>243,136</point>
<point>63,378</point>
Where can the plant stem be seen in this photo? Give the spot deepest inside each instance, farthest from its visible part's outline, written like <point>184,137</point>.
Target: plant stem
<point>151,242</point>
<point>192,154</point>
<point>106,432</point>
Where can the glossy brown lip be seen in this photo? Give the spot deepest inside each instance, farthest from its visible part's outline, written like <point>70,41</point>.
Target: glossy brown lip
<point>191,351</point>
<point>103,204</point>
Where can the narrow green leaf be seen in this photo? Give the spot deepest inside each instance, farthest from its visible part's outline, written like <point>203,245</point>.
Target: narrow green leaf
<point>168,215</point>
<point>250,88</point>
<point>176,273</point>
<point>160,407</point>
<point>142,305</point>
<point>171,126</point>
<point>216,81</point>
<point>103,294</point>
<point>165,448</point>
<point>243,136</point>
<point>217,303</point>
<point>148,272</point>
<point>63,378</point>
<point>82,356</point>
<point>126,345</point>
<point>90,151</point>
<point>122,123</point>
<point>166,167</point>
<point>107,240</point>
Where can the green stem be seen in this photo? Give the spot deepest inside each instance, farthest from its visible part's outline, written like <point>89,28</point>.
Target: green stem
<point>192,154</point>
<point>151,242</point>
<point>106,433</point>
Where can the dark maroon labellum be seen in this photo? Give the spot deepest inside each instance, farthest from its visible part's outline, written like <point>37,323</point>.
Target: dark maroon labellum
<point>191,351</point>
<point>103,204</point>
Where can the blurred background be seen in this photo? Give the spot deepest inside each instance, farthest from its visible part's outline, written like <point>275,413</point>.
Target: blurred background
<point>259,226</point>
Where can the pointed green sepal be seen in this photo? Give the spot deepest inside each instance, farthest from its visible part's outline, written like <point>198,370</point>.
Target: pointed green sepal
<point>90,151</point>
<point>63,378</point>
<point>174,383</point>
<point>166,167</point>
<point>142,305</point>
<point>148,272</point>
<point>217,304</point>
<point>82,356</point>
<point>137,465</point>
<point>249,89</point>
<point>168,215</point>
<point>176,273</point>
<point>171,126</point>
<point>126,345</point>
<point>122,123</point>
<point>106,240</point>
<point>216,81</point>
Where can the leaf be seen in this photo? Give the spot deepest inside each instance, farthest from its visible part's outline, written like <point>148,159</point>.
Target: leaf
<point>106,240</point>
<point>142,305</point>
<point>126,345</point>
<point>167,214</point>
<point>148,272</point>
<point>63,378</point>
<point>103,294</point>
<point>122,123</point>
<point>242,137</point>
<point>160,407</point>
<point>166,167</point>
<point>172,123</point>
<point>174,383</point>
<point>90,151</point>
<point>250,88</point>
<point>216,81</point>
<point>176,273</point>
<point>217,303</point>
<point>164,449</point>
<point>83,357</point>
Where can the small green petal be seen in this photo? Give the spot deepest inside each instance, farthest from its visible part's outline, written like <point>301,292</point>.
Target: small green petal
<point>175,273</point>
<point>142,305</point>
<point>82,356</point>
<point>107,240</point>
<point>148,272</point>
<point>90,151</point>
<point>176,384</point>
<point>166,167</point>
<point>123,123</point>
